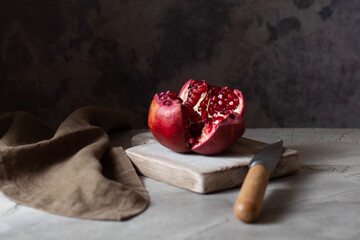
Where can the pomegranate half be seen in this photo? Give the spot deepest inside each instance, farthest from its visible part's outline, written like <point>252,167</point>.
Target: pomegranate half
<point>202,118</point>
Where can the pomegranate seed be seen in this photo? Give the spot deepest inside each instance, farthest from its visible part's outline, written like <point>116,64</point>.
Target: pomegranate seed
<point>191,141</point>
<point>220,102</point>
<point>191,102</point>
<point>168,103</point>
<point>204,114</point>
<point>168,95</point>
<point>202,88</point>
<point>197,93</point>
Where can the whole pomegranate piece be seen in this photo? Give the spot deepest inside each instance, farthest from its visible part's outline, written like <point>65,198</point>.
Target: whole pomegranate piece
<point>202,118</point>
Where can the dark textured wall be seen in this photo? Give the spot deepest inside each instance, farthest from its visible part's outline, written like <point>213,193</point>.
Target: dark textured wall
<point>297,62</point>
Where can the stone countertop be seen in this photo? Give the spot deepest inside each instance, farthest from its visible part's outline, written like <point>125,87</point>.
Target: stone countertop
<point>322,201</point>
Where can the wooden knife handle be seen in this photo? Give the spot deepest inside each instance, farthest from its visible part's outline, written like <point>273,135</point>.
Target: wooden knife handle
<point>248,204</point>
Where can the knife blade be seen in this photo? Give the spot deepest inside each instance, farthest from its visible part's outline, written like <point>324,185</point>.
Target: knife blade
<point>249,202</point>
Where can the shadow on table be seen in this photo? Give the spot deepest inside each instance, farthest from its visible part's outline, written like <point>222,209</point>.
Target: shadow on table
<point>280,201</point>
<point>276,205</point>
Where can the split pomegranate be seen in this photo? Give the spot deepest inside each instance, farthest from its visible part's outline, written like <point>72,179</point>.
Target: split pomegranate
<point>202,118</point>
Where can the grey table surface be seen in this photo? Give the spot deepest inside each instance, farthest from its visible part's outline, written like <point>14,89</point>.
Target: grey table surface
<point>321,201</point>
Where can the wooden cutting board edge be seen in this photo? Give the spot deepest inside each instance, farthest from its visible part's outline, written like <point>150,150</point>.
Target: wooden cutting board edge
<point>205,183</point>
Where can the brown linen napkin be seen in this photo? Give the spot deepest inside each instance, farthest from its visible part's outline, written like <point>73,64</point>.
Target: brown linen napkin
<point>63,172</point>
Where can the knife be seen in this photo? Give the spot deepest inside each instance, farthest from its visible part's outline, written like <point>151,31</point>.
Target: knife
<point>248,204</point>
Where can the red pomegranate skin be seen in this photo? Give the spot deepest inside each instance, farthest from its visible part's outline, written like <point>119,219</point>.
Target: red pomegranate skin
<point>166,124</point>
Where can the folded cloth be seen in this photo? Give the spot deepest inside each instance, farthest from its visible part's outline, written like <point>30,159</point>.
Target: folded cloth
<point>72,171</point>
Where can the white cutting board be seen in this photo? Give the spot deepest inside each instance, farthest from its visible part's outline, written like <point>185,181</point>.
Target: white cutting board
<point>199,173</point>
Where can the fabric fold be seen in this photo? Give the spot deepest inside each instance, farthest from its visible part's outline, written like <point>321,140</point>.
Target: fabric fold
<point>72,171</point>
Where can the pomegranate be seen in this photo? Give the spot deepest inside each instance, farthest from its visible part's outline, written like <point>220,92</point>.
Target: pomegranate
<point>202,118</point>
